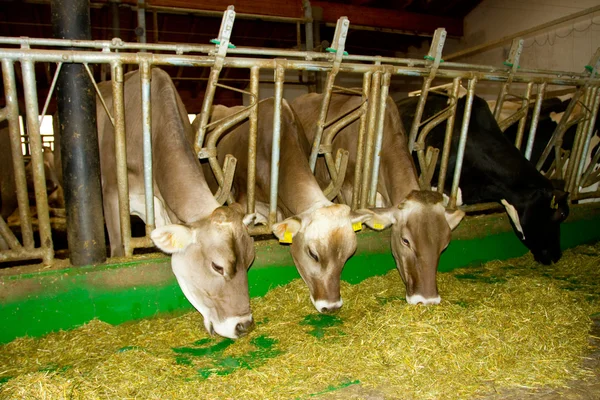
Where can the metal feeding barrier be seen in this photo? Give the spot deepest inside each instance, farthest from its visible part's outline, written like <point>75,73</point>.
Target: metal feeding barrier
<point>377,73</point>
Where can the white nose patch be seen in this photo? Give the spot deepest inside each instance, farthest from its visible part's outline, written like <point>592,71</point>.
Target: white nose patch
<point>325,306</point>
<point>227,329</point>
<point>417,298</point>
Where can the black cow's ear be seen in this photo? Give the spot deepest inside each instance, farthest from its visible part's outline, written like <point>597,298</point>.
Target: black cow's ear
<point>558,184</point>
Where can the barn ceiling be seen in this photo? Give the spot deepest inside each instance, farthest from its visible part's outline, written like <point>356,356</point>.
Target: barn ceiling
<point>377,27</point>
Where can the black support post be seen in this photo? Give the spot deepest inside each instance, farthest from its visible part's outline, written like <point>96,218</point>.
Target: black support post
<point>76,101</point>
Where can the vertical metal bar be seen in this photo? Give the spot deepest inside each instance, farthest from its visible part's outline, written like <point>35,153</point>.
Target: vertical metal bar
<point>460,154</point>
<point>385,87</point>
<point>114,12</point>
<point>516,48</point>
<point>373,99</point>
<point>310,42</point>
<point>314,153</point>
<point>80,158</point>
<point>275,150</point>
<point>35,141</point>
<point>523,120</point>
<point>155,25</point>
<point>414,128</point>
<point>145,77</point>
<point>121,155</point>
<point>535,119</point>
<point>360,145</point>
<point>448,137</point>
<point>581,179</point>
<point>141,17</point>
<point>253,133</point>
<point>580,138</point>
<point>12,106</point>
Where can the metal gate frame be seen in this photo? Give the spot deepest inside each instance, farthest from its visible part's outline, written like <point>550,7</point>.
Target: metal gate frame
<point>377,73</point>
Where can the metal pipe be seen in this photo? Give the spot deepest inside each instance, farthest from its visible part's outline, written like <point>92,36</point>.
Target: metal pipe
<point>253,134</point>
<point>360,143</point>
<point>121,156</point>
<point>50,92</point>
<point>460,153</point>
<point>535,119</point>
<point>448,138</point>
<point>385,87</point>
<point>145,77</point>
<point>414,128</point>
<point>588,137</point>
<point>115,18</point>
<point>12,107</point>
<point>8,236</point>
<point>80,158</point>
<point>37,159</point>
<point>523,121</point>
<point>140,31</point>
<point>372,119</point>
<point>275,150</point>
<point>314,153</point>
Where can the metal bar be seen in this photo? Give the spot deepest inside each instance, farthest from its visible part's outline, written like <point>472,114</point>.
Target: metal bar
<point>513,62</point>
<point>535,119</point>
<point>560,129</point>
<point>371,125</point>
<point>579,143</point>
<point>523,121</point>
<point>253,134</point>
<point>140,31</point>
<point>385,87</point>
<point>49,96</point>
<point>448,138</point>
<point>222,47</point>
<point>360,143</point>
<point>8,236</point>
<point>460,153</point>
<point>35,142</point>
<point>22,254</point>
<point>12,107</point>
<point>99,94</point>
<point>588,138</point>
<point>121,156</point>
<point>275,150</point>
<point>145,77</point>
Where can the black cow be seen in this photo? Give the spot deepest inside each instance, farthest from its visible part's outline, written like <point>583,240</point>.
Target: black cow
<point>494,170</point>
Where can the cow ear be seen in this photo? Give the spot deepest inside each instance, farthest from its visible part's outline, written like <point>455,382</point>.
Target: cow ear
<point>514,216</point>
<point>375,218</point>
<point>256,218</point>
<point>172,238</point>
<point>453,217</point>
<point>287,229</point>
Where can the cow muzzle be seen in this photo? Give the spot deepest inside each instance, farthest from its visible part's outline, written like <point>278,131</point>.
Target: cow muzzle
<point>232,327</point>
<point>418,299</point>
<point>326,306</point>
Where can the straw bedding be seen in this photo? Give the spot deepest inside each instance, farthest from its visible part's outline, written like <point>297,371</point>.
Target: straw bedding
<point>500,325</point>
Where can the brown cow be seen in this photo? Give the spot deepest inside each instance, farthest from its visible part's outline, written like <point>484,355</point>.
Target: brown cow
<point>211,247</point>
<point>421,227</point>
<point>321,232</point>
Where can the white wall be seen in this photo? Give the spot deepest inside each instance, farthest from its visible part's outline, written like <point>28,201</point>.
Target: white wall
<point>566,47</point>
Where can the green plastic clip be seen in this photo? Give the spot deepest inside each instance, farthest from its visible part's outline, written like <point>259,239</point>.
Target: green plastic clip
<point>428,57</point>
<point>217,41</point>
<point>589,68</point>
<point>332,50</point>
<point>510,64</point>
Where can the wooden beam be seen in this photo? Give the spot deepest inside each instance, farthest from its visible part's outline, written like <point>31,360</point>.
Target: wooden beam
<point>389,19</point>
<point>287,9</point>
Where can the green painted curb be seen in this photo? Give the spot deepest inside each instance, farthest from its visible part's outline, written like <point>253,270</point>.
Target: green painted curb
<point>35,300</point>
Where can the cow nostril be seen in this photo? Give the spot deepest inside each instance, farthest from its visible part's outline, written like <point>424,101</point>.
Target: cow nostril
<point>324,309</point>
<point>242,327</point>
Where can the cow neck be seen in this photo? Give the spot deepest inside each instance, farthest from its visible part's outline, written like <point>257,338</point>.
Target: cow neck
<point>398,173</point>
<point>302,192</point>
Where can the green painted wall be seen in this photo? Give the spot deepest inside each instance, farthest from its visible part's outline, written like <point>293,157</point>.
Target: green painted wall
<point>36,300</point>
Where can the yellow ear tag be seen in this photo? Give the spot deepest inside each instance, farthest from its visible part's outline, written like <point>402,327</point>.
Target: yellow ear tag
<point>287,237</point>
<point>553,204</point>
<point>377,225</point>
<point>357,226</point>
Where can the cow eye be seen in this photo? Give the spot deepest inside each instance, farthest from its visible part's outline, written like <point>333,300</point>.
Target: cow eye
<point>405,242</point>
<point>313,255</point>
<point>218,268</point>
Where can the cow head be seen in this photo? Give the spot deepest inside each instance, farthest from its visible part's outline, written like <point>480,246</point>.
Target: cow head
<point>421,230</point>
<point>210,260</point>
<point>322,240</point>
<point>536,218</point>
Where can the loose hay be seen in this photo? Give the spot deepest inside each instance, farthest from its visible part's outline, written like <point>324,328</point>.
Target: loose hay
<point>504,324</point>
